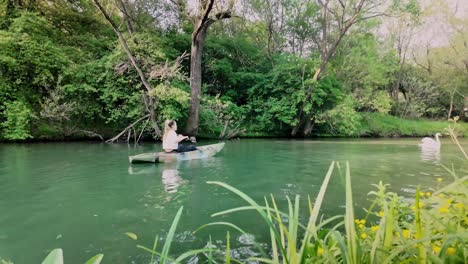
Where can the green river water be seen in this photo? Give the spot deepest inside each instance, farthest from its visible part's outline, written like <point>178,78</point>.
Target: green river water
<point>83,197</point>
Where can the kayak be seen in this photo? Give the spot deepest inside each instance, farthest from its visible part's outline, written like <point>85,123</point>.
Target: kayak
<point>201,153</point>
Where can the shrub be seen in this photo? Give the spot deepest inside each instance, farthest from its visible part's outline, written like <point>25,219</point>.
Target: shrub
<point>17,120</point>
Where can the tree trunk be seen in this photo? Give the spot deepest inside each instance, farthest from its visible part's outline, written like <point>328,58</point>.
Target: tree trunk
<point>309,126</point>
<point>452,95</point>
<point>198,41</point>
<point>195,82</point>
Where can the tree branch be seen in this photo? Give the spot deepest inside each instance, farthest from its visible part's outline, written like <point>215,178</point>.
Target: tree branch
<point>205,19</point>
<point>131,126</point>
<point>125,46</point>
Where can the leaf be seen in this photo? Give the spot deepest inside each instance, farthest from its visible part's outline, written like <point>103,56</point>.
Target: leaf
<point>54,257</point>
<point>95,260</point>
<point>311,229</point>
<point>131,235</point>
<point>228,249</point>
<point>351,238</point>
<point>170,236</point>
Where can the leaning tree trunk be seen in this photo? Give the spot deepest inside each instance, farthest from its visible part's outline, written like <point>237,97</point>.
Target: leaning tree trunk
<point>150,103</point>
<point>198,43</point>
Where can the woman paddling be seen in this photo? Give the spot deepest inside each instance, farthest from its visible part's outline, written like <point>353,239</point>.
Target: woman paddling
<point>171,141</point>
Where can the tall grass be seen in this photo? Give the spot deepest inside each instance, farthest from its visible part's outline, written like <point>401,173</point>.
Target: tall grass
<point>398,229</point>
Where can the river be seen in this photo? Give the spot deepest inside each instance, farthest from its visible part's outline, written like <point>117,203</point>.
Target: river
<point>83,197</point>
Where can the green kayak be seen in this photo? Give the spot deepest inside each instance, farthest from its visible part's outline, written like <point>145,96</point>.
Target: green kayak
<point>201,153</point>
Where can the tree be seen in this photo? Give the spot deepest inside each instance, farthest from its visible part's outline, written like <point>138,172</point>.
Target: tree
<point>148,100</point>
<point>447,65</point>
<point>204,19</point>
<point>336,19</point>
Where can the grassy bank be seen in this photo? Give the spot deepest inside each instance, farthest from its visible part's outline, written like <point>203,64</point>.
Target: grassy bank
<point>379,125</point>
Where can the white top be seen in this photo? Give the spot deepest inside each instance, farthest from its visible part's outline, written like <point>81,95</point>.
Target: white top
<point>171,142</point>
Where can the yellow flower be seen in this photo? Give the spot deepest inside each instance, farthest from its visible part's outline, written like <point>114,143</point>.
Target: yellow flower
<point>319,251</point>
<point>439,179</point>
<point>381,213</point>
<point>451,251</point>
<point>443,210</point>
<point>356,221</point>
<point>361,226</point>
<point>441,195</point>
<point>449,201</point>
<point>459,205</point>
<point>363,235</point>
<point>436,249</point>
<point>421,194</point>
<point>363,222</point>
<point>374,228</point>
<point>421,204</point>
<point>428,194</point>
<point>406,233</point>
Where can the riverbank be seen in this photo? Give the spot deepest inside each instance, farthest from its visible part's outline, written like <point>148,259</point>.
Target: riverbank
<point>373,125</point>
<point>377,125</point>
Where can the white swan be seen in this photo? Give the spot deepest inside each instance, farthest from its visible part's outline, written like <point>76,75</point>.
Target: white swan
<point>428,142</point>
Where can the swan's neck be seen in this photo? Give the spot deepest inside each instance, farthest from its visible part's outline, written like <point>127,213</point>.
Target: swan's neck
<point>437,138</point>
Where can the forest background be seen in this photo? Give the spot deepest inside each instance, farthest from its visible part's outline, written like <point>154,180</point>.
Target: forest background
<point>81,69</point>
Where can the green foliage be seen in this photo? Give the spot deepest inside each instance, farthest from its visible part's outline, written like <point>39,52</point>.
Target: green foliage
<point>259,71</point>
<point>219,117</point>
<point>341,120</point>
<point>173,102</point>
<point>365,70</point>
<point>421,97</point>
<point>275,100</point>
<point>18,117</point>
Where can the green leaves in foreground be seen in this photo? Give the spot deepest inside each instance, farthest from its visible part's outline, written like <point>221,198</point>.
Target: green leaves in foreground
<point>285,242</point>
<point>164,254</point>
<point>56,257</point>
<point>435,233</point>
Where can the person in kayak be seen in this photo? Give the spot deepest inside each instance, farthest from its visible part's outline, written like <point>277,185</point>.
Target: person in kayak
<point>171,141</point>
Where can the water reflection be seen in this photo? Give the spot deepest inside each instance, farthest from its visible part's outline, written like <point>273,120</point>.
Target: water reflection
<point>171,180</point>
<point>143,169</point>
<point>430,154</point>
<point>169,174</point>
